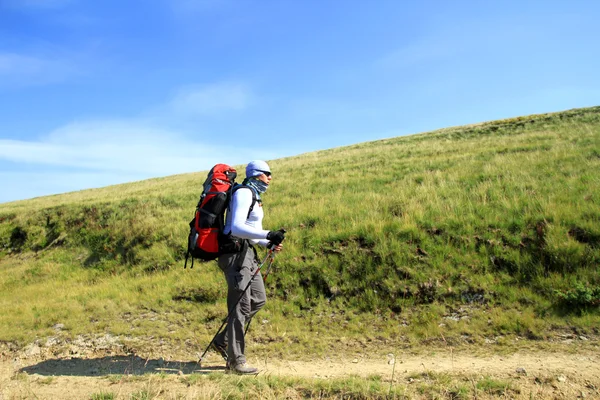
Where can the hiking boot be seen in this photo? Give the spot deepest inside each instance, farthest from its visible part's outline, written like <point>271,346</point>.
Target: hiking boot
<point>243,369</point>
<point>222,350</point>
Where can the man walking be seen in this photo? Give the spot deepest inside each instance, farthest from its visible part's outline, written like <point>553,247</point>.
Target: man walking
<point>244,221</point>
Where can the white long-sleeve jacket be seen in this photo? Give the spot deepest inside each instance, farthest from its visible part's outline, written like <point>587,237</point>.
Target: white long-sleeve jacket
<point>243,225</point>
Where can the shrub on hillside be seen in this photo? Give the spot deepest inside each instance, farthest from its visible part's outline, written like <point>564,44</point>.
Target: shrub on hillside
<point>580,298</point>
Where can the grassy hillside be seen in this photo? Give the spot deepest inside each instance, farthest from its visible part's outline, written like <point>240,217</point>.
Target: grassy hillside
<point>467,233</point>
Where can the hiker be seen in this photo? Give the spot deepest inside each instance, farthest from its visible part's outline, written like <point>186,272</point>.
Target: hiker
<point>244,221</point>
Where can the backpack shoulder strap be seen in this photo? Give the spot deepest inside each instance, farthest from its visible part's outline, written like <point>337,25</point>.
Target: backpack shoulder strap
<point>254,196</point>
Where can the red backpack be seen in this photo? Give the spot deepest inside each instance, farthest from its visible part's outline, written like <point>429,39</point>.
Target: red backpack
<point>206,240</point>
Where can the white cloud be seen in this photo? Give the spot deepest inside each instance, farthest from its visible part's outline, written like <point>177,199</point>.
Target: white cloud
<point>11,63</point>
<point>110,146</point>
<point>414,53</point>
<point>445,42</point>
<point>33,70</point>
<point>212,99</point>
<point>26,185</point>
<point>94,154</point>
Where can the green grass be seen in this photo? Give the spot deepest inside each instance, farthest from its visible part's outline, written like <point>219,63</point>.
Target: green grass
<point>495,387</point>
<point>393,241</point>
<point>275,387</point>
<point>424,385</point>
<point>103,396</point>
<point>218,385</point>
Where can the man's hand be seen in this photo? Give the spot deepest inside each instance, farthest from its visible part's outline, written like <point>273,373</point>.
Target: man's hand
<point>276,237</point>
<point>277,248</point>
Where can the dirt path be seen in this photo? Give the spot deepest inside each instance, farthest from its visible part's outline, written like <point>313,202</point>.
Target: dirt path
<point>564,374</point>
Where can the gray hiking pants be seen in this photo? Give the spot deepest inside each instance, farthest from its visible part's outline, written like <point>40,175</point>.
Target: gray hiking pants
<point>238,273</point>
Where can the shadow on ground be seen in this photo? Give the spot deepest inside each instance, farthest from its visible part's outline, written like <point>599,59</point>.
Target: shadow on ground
<point>116,365</point>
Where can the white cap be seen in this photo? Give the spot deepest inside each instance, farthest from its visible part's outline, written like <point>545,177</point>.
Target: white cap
<point>256,167</point>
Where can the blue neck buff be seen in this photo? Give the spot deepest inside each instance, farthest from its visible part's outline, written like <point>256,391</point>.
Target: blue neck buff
<point>257,185</point>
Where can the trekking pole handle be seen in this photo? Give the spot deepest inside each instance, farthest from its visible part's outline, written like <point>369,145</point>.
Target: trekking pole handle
<point>272,245</point>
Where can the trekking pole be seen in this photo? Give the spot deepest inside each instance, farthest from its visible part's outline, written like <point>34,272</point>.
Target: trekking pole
<point>271,259</point>
<point>235,305</point>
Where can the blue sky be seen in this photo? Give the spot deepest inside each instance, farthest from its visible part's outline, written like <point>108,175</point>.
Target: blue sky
<point>94,93</point>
